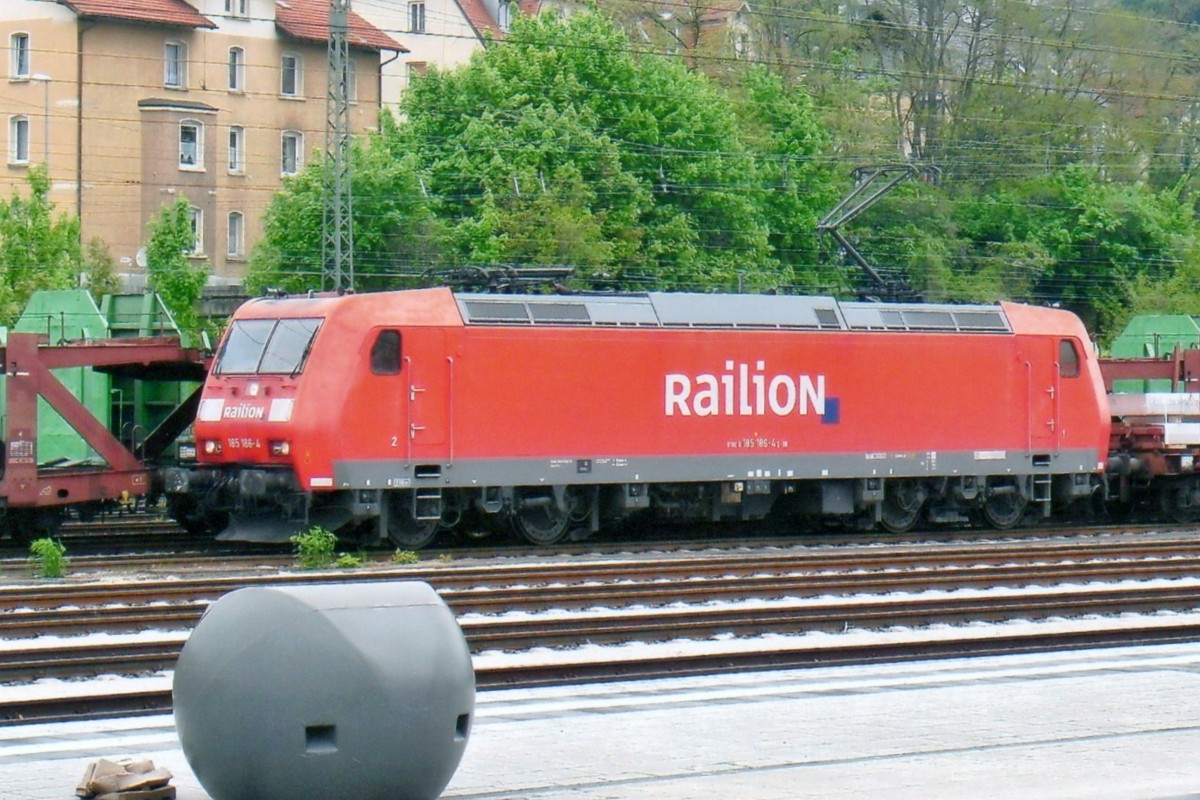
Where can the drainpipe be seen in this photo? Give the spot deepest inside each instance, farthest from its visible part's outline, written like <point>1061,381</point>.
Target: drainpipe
<point>82,28</point>
<point>381,66</point>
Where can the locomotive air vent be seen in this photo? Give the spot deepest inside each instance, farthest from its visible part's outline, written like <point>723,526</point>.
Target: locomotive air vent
<point>980,321</point>
<point>877,317</point>
<point>827,318</point>
<point>507,312</point>
<point>559,312</point>
<point>930,320</point>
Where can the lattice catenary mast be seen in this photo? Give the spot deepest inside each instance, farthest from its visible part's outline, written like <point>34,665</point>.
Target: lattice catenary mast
<point>337,240</point>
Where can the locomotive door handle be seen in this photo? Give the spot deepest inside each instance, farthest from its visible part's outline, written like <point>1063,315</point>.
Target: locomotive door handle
<point>412,392</point>
<point>413,428</point>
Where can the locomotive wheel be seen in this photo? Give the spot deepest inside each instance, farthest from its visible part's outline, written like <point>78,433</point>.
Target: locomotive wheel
<point>902,504</point>
<point>1004,511</point>
<point>408,533</point>
<point>537,518</point>
<point>185,510</point>
<point>1179,499</point>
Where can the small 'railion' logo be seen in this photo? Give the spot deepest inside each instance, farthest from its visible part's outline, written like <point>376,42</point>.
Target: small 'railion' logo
<point>243,411</point>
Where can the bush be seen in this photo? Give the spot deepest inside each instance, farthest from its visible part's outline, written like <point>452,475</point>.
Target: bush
<point>48,557</point>
<point>314,548</point>
<point>405,557</point>
<point>348,561</point>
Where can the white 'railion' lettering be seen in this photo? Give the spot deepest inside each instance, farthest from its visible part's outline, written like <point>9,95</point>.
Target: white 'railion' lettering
<point>244,411</point>
<point>740,392</point>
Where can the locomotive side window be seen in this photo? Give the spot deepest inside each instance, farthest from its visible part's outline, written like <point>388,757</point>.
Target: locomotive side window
<point>289,346</point>
<point>385,353</point>
<point>243,346</point>
<point>1068,359</point>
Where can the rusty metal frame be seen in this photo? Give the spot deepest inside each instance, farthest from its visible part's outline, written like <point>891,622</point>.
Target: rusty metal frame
<point>28,363</point>
<point>1182,368</point>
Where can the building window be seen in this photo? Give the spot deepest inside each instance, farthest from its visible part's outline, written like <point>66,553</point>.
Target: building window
<point>291,153</point>
<point>237,149</point>
<point>237,69</point>
<point>415,68</point>
<point>191,144</point>
<point>291,75</point>
<point>18,140</point>
<point>237,225</point>
<point>504,16</point>
<point>196,217</point>
<point>351,82</point>
<point>175,65</point>
<point>18,65</point>
<point>235,8</point>
<point>416,17</point>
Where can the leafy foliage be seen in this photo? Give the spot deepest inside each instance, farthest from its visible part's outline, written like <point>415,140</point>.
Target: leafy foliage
<point>315,548</point>
<point>560,147</point>
<point>38,250</point>
<point>99,269</point>
<point>48,557</point>
<point>171,273</point>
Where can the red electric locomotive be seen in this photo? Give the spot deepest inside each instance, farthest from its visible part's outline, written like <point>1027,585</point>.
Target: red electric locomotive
<point>404,413</point>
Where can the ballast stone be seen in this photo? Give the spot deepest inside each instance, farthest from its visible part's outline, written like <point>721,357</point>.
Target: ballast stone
<point>325,691</point>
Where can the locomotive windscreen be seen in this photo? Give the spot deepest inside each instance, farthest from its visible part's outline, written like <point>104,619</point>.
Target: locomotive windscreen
<point>267,346</point>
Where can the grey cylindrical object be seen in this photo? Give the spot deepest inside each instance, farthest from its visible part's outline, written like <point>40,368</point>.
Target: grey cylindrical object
<point>325,692</point>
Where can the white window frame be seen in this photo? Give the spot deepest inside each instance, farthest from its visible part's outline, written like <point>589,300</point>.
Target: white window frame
<point>175,64</point>
<point>504,14</point>
<point>297,74</point>
<point>235,240</point>
<point>196,217</point>
<point>416,17</point>
<point>297,154</point>
<point>237,149</point>
<point>236,8</point>
<point>197,164</point>
<point>18,139</point>
<point>19,62</point>
<point>236,78</point>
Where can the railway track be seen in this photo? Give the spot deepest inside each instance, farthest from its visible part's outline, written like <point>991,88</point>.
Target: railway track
<point>531,586</point>
<point>74,661</point>
<point>645,602</point>
<point>157,700</point>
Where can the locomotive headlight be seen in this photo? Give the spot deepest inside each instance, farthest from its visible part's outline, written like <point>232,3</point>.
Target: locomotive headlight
<point>281,448</point>
<point>212,447</point>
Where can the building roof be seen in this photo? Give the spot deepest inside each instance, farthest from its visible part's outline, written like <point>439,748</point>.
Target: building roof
<point>480,19</point>
<point>153,12</point>
<point>308,21</point>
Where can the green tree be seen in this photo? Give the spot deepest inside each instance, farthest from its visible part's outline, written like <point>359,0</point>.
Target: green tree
<point>559,146</point>
<point>99,269</point>
<point>395,232</point>
<point>38,249</point>
<point>653,175</point>
<point>170,271</point>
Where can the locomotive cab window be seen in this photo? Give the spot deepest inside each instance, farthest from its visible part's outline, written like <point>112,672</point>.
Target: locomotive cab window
<point>385,353</point>
<point>1068,359</point>
<point>267,347</point>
